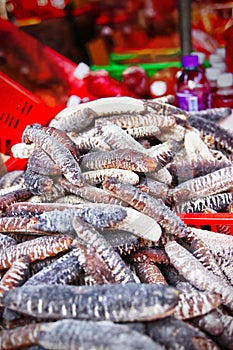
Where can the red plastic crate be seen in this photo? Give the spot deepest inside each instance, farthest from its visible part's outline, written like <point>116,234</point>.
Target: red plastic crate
<point>19,107</point>
<point>219,222</point>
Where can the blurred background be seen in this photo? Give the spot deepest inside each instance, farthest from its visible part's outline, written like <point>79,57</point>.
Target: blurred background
<point>93,31</point>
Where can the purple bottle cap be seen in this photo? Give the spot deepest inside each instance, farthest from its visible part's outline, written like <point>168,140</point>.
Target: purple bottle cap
<point>190,61</point>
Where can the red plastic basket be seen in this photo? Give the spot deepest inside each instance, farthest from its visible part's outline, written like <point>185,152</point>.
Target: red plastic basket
<point>19,108</point>
<point>219,222</point>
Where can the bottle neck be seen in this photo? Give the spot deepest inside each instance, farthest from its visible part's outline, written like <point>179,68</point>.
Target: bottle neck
<point>192,68</point>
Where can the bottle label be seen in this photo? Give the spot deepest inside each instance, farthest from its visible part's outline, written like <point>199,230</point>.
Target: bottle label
<point>192,103</point>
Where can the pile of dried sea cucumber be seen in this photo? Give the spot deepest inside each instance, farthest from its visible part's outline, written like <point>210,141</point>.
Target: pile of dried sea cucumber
<point>92,251</point>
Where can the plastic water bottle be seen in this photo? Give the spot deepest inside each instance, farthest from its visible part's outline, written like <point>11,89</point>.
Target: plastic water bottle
<point>193,88</point>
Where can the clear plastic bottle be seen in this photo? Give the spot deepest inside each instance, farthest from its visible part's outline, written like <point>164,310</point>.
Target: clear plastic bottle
<point>224,93</point>
<point>193,88</point>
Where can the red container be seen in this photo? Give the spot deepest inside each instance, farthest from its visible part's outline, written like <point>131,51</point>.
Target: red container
<point>229,47</point>
<point>35,83</point>
<point>220,222</point>
<point>19,108</point>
